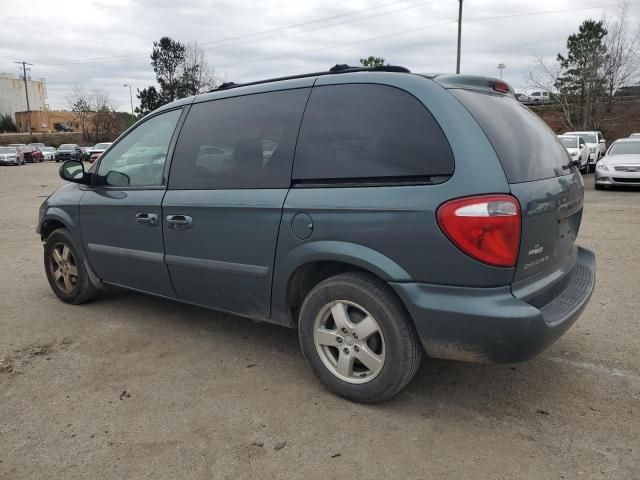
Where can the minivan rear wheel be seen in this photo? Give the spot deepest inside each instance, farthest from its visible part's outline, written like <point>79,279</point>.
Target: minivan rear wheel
<point>65,268</point>
<point>358,338</point>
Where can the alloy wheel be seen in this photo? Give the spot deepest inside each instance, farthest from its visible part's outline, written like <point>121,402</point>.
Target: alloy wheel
<point>349,342</point>
<point>64,269</point>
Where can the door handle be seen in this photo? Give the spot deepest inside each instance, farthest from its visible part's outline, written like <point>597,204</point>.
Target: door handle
<point>179,221</point>
<point>148,219</point>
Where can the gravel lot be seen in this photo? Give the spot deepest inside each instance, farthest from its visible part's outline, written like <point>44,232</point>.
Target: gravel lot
<point>132,386</point>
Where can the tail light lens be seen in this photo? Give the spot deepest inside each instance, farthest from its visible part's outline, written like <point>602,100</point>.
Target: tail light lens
<point>485,227</point>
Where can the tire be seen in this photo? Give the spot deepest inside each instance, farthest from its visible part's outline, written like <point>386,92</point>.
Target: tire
<point>599,187</point>
<point>82,290</point>
<point>395,346</point>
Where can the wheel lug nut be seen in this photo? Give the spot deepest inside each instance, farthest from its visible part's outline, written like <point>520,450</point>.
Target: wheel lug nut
<point>339,339</point>
<point>355,335</point>
<point>346,350</point>
<point>344,330</point>
<point>356,348</point>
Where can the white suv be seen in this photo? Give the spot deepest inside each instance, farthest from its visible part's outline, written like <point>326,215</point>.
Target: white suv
<point>596,143</point>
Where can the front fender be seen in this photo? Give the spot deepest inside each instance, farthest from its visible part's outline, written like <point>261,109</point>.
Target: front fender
<point>56,214</point>
<point>327,251</point>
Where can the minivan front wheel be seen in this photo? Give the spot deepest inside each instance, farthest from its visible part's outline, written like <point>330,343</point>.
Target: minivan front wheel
<point>358,339</point>
<point>65,269</point>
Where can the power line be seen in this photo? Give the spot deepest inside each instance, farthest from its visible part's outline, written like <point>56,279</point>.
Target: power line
<point>404,32</point>
<point>544,12</point>
<point>322,27</point>
<point>254,34</point>
<point>476,19</point>
<point>394,34</point>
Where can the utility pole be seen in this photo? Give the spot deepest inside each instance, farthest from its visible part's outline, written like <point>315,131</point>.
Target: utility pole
<point>501,67</point>
<point>130,97</point>
<point>26,91</point>
<point>459,34</point>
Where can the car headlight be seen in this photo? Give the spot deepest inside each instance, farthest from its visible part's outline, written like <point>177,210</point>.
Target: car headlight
<point>603,167</point>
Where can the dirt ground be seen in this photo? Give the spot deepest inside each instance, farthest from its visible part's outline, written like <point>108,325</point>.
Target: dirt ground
<point>132,386</point>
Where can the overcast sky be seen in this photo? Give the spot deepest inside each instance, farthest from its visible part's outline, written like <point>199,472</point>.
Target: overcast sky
<point>75,42</point>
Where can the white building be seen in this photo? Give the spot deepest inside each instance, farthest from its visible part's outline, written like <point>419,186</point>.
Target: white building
<point>12,97</point>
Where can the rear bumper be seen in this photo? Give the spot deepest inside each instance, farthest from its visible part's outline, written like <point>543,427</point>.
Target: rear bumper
<point>490,325</point>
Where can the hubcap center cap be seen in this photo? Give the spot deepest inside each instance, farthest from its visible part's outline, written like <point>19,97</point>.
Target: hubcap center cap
<point>349,341</point>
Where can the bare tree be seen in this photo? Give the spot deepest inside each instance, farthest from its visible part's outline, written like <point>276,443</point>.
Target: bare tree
<point>79,102</point>
<point>102,106</point>
<point>199,73</point>
<point>623,48</point>
<point>544,75</point>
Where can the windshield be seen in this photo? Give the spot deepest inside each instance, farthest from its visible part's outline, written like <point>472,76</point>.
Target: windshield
<point>625,148</point>
<point>8,150</point>
<point>588,137</point>
<point>102,146</point>
<point>569,142</point>
<point>46,149</point>
<point>67,146</point>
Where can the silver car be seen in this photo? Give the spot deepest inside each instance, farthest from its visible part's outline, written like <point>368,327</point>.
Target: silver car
<point>620,165</point>
<point>11,156</point>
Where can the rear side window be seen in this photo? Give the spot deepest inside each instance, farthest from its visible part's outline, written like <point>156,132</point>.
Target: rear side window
<point>527,148</point>
<point>239,142</point>
<point>369,131</point>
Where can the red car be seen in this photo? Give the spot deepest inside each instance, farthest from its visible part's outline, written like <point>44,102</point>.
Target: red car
<point>94,157</point>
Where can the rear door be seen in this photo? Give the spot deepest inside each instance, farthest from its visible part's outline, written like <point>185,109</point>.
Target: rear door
<point>230,174</point>
<point>536,166</point>
<point>121,216</point>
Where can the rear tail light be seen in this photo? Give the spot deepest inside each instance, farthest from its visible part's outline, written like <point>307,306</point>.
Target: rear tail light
<point>500,86</point>
<point>487,227</point>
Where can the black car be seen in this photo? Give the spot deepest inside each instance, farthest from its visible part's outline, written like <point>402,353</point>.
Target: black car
<point>68,151</point>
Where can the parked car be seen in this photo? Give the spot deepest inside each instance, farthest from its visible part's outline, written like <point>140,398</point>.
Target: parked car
<point>68,151</point>
<point>11,156</point>
<point>577,149</point>
<point>621,164</point>
<point>539,98</point>
<point>634,135</point>
<point>48,153</point>
<point>63,127</point>
<point>36,156</point>
<point>420,213</point>
<point>27,153</point>
<point>35,146</point>
<point>97,150</point>
<point>523,98</point>
<point>596,143</point>
<point>85,153</point>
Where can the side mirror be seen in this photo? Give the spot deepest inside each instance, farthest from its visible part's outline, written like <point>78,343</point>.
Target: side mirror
<point>73,171</point>
<point>602,141</point>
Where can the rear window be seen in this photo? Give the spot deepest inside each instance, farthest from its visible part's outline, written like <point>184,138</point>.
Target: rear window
<point>369,131</point>
<point>527,148</point>
<point>569,142</point>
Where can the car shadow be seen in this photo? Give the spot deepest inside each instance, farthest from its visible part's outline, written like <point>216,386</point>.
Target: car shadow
<point>497,391</point>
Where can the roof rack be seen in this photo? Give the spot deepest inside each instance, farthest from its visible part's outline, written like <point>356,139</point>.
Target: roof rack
<point>340,68</point>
